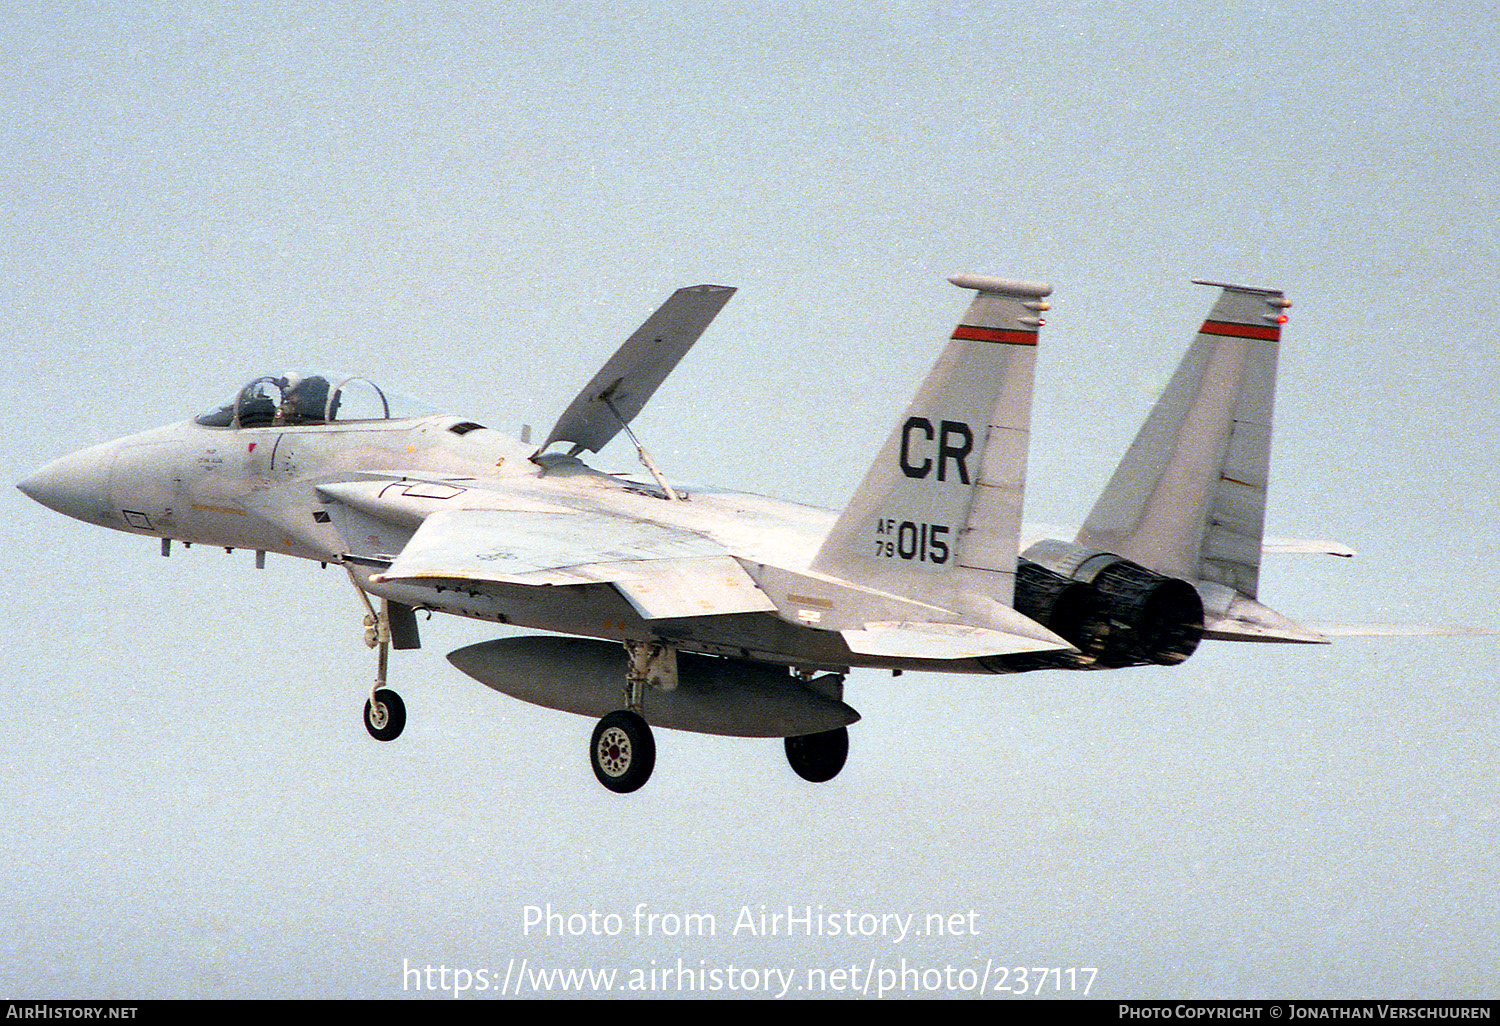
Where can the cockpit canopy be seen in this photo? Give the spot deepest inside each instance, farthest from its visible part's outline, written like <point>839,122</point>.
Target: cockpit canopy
<point>310,397</point>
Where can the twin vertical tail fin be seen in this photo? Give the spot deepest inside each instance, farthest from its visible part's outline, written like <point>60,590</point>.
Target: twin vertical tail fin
<point>938,516</point>
<point>1188,499</point>
<point>1171,551</point>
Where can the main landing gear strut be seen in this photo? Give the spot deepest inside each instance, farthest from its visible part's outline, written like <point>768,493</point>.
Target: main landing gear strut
<point>622,750</point>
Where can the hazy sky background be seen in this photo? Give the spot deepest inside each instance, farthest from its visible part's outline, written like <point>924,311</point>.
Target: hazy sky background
<point>477,203</point>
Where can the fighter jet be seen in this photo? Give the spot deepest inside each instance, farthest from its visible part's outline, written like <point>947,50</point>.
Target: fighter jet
<point>698,608</point>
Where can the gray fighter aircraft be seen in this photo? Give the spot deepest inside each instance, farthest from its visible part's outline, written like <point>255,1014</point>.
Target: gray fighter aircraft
<point>702,609</point>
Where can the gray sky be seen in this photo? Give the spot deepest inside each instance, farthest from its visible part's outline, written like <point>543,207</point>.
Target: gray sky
<point>477,205</point>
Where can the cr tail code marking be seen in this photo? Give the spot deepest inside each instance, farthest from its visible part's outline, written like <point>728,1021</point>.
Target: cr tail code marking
<point>955,440</point>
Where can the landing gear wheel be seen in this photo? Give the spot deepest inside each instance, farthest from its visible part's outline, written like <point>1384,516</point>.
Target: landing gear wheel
<point>818,757</point>
<point>623,751</point>
<point>385,717</point>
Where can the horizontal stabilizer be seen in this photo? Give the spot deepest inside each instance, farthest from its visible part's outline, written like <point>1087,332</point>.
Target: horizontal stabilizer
<point>939,641</point>
<point>1237,630</point>
<point>631,377</point>
<point>1321,633</point>
<point>1231,616</point>
<point>1307,547</point>
<point>1033,533</point>
<point>713,696</point>
<point>1404,630</point>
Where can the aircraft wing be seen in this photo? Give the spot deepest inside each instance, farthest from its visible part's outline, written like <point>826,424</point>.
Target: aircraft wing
<point>631,377</point>
<point>664,572</point>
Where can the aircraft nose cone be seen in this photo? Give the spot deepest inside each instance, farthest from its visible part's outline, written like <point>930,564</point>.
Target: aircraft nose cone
<point>76,485</point>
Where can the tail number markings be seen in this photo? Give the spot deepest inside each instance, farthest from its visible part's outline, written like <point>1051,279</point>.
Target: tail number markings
<point>924,543</point>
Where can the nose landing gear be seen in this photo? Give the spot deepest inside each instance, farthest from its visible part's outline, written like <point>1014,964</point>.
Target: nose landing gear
<point>385,712</point>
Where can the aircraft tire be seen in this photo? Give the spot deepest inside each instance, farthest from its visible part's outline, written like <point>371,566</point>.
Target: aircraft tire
<point>623,751</point>
<point>818,757</point>
<point>392,718</point>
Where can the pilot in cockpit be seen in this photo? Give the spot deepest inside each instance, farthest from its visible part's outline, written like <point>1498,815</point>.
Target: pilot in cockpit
<point>305,401</point>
